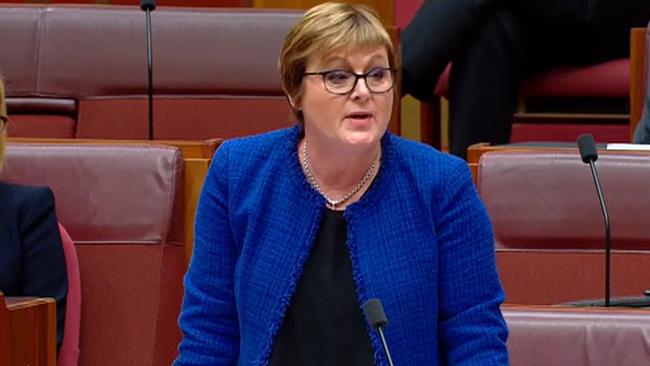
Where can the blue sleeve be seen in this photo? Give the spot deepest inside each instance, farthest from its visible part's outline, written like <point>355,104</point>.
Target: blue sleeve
<point>43,263</point>
<point>208,318</point>
<point>471,327</point>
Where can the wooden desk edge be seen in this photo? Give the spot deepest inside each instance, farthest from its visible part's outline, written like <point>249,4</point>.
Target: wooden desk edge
<point>190,148</point>
<point>16,303</point>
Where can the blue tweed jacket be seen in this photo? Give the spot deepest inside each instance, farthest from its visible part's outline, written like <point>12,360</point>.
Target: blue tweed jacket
<point>420,240</point>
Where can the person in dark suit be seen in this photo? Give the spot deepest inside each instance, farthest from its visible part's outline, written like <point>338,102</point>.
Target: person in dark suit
<point>642,132</point>
<point>32,262</point>
<point>493,44</point>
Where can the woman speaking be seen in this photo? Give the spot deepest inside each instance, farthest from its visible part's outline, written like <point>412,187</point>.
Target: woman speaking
<point>297,228</point>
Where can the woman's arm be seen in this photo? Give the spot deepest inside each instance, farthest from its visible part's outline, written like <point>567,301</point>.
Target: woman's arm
<point>209,318</point>
<point>43,266</point>
<point>471,327</point>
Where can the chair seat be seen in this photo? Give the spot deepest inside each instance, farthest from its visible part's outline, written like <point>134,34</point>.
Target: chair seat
<point>608,79</point>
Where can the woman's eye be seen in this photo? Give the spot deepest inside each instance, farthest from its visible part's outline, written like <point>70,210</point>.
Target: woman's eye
<point>338,77</point>
<point>377,74</point>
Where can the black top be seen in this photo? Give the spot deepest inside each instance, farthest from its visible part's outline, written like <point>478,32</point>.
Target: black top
<point>32,262</point>
<point>324,324</point>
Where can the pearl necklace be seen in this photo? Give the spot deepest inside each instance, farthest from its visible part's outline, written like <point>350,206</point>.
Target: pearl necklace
<point>331,202</point>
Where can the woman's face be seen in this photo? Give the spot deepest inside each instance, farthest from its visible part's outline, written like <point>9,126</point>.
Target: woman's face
<point>357,118</point>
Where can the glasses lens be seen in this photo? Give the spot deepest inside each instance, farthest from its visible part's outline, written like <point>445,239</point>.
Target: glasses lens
<point>338,81</point>
<point>379,80</point>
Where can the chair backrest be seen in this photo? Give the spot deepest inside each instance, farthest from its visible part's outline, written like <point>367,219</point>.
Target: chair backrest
<point>549,229</point>
<point>82,68</point>
<point>541,336</point>
<point>123,207</point>
<point>546,199</point>
<point>405,10</point>
<point>69,352</point>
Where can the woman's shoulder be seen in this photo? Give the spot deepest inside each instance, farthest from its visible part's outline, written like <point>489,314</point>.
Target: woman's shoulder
<point>261,144</point>
<point>246,157</point>
<point>424,159</point>
<point>22,198</point>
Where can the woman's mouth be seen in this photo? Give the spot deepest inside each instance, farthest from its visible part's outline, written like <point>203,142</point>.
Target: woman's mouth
<point>359,116</point>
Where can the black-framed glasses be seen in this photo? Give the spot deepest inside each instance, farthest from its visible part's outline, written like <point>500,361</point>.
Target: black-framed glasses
<point>340,82</point>
<point>3,122</point>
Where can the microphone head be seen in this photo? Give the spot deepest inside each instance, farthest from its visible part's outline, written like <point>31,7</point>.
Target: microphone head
<point>587,148</point>
<point>148,4</point>
<point>374,312</point>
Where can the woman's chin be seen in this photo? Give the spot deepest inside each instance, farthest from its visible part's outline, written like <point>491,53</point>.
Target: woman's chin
<point>358,138</point>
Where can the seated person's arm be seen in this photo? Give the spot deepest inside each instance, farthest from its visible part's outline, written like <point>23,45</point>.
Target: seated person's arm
<point>642,133</point>
<point>43,262</point>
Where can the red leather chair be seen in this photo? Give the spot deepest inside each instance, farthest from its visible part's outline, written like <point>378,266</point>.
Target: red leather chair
<point>124,207</point>
<point>577,336</point>
<point>605,80</point>
<point>58,84</point>
<point>548,228</point>
<point>69,352</point>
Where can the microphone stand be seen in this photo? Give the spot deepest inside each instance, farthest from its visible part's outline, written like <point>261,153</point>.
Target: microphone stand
<point>149,6</point>
<point>376,318</point>
<point>608,240</point>
<point>385,345</point>
<point>589,154</point>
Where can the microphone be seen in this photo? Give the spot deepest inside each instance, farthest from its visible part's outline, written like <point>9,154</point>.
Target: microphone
<point>148,6</point>
<point>589,155</point>
<point>376,317</point>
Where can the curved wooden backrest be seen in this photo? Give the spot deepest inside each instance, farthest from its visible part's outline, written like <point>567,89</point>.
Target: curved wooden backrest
<point>639,38</point>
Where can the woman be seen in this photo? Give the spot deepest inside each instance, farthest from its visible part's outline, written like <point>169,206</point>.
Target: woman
<point>296,228</point>
<point>31,255</point>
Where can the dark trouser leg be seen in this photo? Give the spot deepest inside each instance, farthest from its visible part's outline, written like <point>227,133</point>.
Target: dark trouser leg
<point>434,36</point>
<point>484,83</point>
<point>642,132</point>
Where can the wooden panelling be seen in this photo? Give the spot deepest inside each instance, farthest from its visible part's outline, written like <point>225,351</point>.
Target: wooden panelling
<point>638,75</point>
<point>385,8</point>
<point>195,172</point>
<point>28,329</point>
<point>190,149</point>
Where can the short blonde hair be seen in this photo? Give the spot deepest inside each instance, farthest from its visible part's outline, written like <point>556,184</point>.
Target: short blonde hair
<point>3,133</point>
<point>325,28</point>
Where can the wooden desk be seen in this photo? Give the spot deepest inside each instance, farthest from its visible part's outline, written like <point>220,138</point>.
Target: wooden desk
<point>475,151</point>
<point>191,149</point>
<point>27,331</point>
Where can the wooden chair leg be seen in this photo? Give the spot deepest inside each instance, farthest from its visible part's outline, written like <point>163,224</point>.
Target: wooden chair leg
<point>430,130</point>
<point>638,76</point>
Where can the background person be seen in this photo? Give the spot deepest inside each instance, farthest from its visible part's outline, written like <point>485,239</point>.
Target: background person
<point>494,44</point>
<point>32,262</point>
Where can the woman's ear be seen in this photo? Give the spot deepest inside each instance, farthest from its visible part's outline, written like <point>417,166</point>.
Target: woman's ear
<point>294,101</point>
